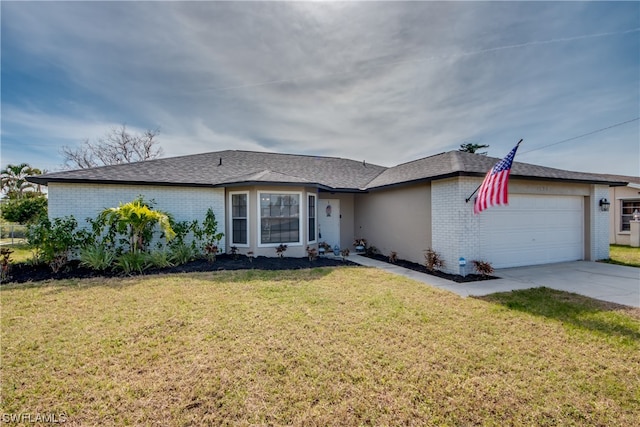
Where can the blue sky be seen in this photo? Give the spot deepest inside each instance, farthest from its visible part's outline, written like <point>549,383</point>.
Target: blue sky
<point>381,82</point>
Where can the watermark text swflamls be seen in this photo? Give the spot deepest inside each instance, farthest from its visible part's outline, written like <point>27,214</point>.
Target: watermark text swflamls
<point>43,418</point>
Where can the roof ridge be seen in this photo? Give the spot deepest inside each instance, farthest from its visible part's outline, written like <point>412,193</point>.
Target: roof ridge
<point>305,155</point>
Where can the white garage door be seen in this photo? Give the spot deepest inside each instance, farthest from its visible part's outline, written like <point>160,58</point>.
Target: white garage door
<point>533,230</point>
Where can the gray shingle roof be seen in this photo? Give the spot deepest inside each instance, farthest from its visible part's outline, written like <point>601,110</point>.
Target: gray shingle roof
<point>454,163</point>
<point>231,167</point>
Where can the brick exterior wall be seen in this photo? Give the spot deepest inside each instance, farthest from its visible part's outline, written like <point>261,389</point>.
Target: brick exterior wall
<point>600,223</point>
<point>88,200</point>
<point>454,227</point>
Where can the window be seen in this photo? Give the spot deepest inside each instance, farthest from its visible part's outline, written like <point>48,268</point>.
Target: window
<point>628,207</point>
<point>311,217</point>
<point>280,218</point>
<point>239,218</point>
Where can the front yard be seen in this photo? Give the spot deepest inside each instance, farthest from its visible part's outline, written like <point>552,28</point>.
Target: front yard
<point>624,255</point>
<point>331,346</point>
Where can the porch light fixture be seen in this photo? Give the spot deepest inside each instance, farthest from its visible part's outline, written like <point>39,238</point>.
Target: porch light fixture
<point>604,205</point>
<point>636,215</point>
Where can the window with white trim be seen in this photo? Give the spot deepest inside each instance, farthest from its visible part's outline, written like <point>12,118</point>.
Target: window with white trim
<point>312,226</point>
<point>626,213</point>
<point>280,218</point>
<point>239,218</point>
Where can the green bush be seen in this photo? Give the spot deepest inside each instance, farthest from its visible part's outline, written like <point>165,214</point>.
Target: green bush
<point>181,254</point>
<point>135,221</point>
<point>208,235</point>
<point>159,258</point>
<point>54,240</point>
<point>130,262</point>
<point>97,257</point>
<point>25,210</point>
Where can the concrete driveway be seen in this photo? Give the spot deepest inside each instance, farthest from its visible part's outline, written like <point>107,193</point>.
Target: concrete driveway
<point>607,282</point>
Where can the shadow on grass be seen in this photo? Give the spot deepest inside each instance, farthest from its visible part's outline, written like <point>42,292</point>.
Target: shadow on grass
<point>573,310</point>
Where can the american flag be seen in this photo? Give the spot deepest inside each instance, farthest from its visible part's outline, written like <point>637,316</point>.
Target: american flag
<point>494,189</point>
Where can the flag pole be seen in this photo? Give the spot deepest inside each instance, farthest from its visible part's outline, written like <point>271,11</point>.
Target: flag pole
<point>478,187</point>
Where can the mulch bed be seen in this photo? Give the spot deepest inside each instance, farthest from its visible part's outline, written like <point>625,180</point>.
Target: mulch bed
<point>22,272</point>
<point>422,269</point>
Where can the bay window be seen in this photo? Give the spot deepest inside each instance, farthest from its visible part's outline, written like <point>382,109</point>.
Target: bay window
<point>280,218</point>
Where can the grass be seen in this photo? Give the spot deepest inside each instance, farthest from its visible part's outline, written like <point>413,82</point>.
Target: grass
<point>345,346</point>
<point>624,255</point>
<point>21,252</point>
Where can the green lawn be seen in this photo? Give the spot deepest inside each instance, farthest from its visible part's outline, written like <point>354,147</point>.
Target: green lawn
<point>624,255</point>
<point>21,252</point>
<point>344,346</point>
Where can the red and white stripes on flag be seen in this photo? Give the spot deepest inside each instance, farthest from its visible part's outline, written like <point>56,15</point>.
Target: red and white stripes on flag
<point>495,187</point>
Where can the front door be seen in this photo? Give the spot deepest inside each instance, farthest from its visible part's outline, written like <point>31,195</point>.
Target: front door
<point>329,221</point>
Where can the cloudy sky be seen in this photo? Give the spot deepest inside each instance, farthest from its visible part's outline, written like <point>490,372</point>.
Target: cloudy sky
<point>375,81</point>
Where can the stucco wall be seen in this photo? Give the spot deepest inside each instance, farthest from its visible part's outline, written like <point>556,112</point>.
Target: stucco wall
<point>397,219</point>
<point>615,196</point>
<point>88,200</point>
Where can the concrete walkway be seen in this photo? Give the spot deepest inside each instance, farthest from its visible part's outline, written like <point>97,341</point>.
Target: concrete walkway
<point>607,282</point>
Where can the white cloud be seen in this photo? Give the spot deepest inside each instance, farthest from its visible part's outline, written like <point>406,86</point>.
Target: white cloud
<point>385,82</point>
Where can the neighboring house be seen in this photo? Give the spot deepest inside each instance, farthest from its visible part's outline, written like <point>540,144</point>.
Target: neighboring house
<point>624,201</point>
<point>264,199</point>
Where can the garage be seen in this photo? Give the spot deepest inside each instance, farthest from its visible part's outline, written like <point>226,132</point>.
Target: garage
<point>533,229</point>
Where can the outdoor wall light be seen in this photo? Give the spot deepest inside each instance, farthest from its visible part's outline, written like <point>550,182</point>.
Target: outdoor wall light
<point>604,205</point>
<point>636,215</point>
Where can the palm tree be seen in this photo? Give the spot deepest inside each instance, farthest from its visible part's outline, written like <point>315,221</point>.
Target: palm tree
<point>473,148</point>
<point>14,180</point>
<point>136,219</point>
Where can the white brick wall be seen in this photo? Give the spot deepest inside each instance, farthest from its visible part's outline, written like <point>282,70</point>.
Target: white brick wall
<point>454,227</point>
<point>599,224</point>
<point>88,200</point>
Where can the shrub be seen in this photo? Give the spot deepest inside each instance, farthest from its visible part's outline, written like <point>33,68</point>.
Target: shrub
<point>483,267</point>
<point>371,250</point>
<point>54,241</point>
<point>312,253</point>
<point>25,210</point>
<point>345,253</point>
<point>159,258</point>
<point>280,250</point>
<point>5,263</point>
<point>181,254</point>
<point>97,257</point>
<point>208,233</point>
<point>211,251</point>
<point>136,221</point>
<point>182,230</point>
<point>433,260</point>
<point>393,257</point>
<point>130,262</point>
<point>235,252</point>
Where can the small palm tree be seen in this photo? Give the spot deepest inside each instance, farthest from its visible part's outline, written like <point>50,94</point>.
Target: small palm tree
<point>14,179</point>
<point>136,219</point>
